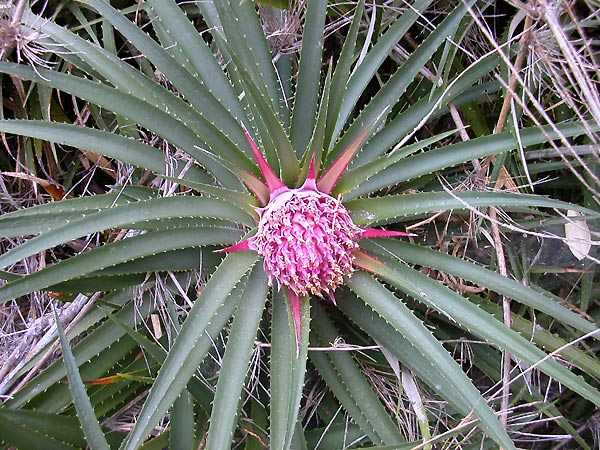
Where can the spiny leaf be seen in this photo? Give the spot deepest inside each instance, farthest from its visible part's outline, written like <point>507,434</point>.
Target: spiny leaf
<point>126,216</point>
<point>233,370</point>
<point>353,381</point>
<point>452,305</point>
<point>429,162</point>
<point>118,252</point>
<point>182,361</point>
<point>85,412</point>
<point>288,366</point>
<point>392,207</point>
<point>309,75</point>
<point>398,315</point>
<point>484,277</point>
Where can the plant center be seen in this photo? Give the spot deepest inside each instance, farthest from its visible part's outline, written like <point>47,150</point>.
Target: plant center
<point>307,239</point>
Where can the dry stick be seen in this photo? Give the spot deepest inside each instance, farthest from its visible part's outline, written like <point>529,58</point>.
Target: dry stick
<point>71,315</point>
<point>500,256</point>
<point>18,14</point>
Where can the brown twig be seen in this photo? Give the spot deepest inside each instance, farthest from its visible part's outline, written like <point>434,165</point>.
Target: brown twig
<point>496,235</point>
<point>18,14</point>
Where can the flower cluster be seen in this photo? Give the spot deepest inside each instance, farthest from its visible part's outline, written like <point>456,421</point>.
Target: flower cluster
<point>306,237</point>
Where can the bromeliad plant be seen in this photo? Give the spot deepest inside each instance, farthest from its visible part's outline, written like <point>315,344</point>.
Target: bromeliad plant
<point>330,177</point>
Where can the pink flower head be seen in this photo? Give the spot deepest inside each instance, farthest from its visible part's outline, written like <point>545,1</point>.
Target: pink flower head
<point>306,237</point>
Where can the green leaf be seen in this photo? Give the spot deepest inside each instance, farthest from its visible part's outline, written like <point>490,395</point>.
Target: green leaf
<point>173,261</point>
<point>397,314</point>
<point>126,216</point>
<point>316,145</point>
<point>248,47</point>
<point>354,178</point>
<point>429,162</point>
<point>211,110</point>
<point>22,437</point>
<point>411,356</point>
<point>181,434</point>
<point>117,252</point>
<point>85,412</point>
<point>545,339</point>
<point>106,336</point>
<point>341,75</point>
<point>288,162</point>
<point>183,359</point>
<point>462,88</point>
<point>288,366</point>
<point>392,207</point>
<point>508,287</point>
<point>239,199</point>
<point>281,4</point>
<point>455,307</point>
<point>34,429</point>
<point>188,42</point>
<point>177,131</point>
<point>104,65</point>
<point>40,218</point>
<point>306,101</point>
<point>98,283</point>
<point>345,378</point>
<point>389,94</point>
<point>364,72</point>
<point>108,144</point>
<point>239,349</point>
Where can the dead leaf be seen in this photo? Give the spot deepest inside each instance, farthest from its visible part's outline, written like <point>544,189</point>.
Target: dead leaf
<point>579,238</point>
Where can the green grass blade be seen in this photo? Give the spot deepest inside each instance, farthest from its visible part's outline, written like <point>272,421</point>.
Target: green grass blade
<point>353,381</point>
<point>239,349</point>
<point>126,216</point>
<point>287,370</point>
<point>183,360</point>
<point>481,276</point>
<point>402,319</point>
<point>147,244</point>
<point>389,209</point>
<point>309,75</point>
<point>454,306</point>
<point>85,412</point>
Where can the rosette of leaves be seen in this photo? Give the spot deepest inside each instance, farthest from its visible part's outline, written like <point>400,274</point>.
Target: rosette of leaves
<point>234,369</point>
